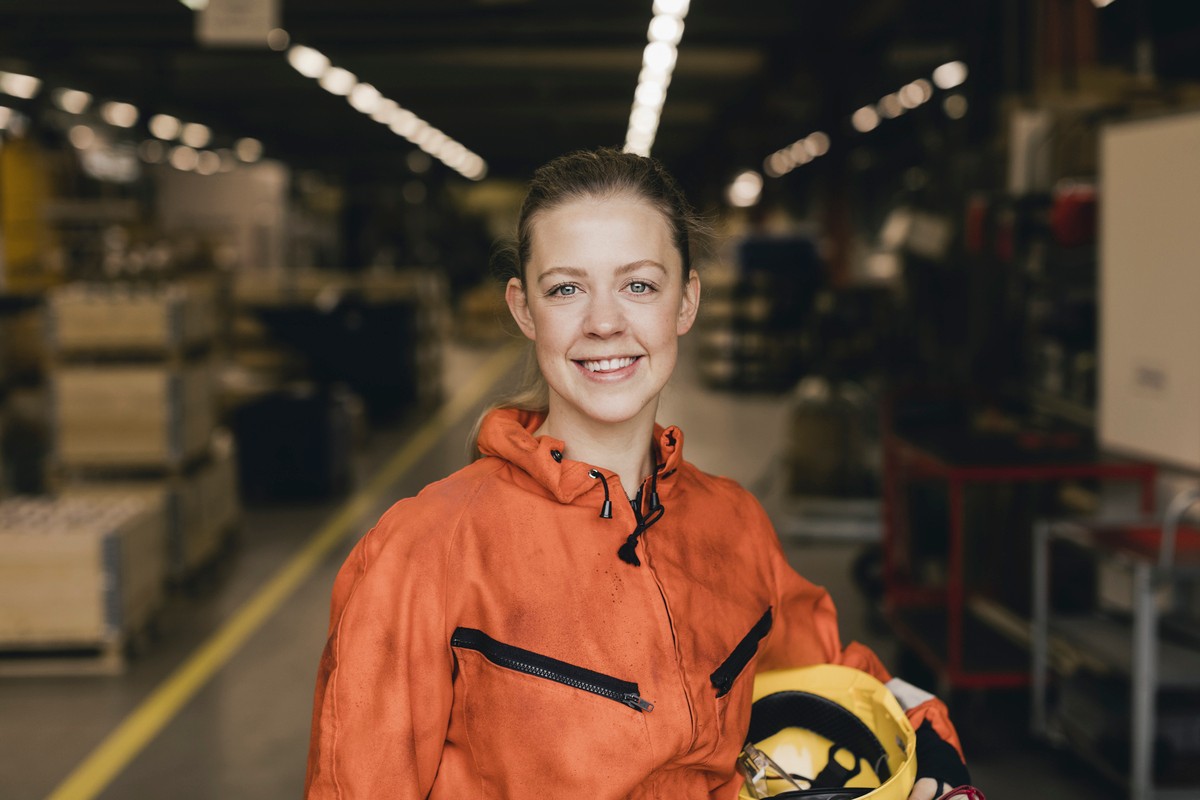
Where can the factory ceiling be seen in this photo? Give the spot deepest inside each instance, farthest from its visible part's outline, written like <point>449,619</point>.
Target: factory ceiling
<point>518,81</point>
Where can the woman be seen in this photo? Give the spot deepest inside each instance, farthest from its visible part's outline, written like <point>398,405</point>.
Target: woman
<point>562,618</point>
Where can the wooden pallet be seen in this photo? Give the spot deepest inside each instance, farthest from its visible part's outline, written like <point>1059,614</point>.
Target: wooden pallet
<point>115,318</point>
<point>52,659</point>
<point>201,501</point>
<point>81,579</point>
<point>132,415</point>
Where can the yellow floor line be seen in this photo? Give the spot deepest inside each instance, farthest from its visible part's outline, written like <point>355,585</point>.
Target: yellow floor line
<point>121,746</point>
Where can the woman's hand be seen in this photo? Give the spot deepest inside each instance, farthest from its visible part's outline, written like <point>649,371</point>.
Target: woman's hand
<point>939,768</point>
<point>928,789</point>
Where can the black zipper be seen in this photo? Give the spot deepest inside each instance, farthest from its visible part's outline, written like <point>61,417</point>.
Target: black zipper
<point>724,676</point>
<point>509,657</point>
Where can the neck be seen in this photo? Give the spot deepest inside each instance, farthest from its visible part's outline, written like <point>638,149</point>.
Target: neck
<point>623,448</point>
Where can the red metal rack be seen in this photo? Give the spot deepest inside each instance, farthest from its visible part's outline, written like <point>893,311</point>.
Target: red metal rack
<point>932,619</point>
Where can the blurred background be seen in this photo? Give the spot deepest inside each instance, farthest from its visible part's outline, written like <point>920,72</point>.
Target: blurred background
<point>947,337</point>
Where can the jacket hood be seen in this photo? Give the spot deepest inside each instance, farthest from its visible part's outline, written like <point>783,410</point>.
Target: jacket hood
<point>507,433</point>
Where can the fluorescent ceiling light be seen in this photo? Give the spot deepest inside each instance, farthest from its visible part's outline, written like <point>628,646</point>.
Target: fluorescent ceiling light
<point>338,81</point>
<point>949,75</point>
<point>164,126</point>
<point>248,150</point>
<point>745,189</point>
<point>651,95</point>
<point>195,135</point>
<point>644,119</point>
<point>121,115</point>
<point>383,112</point>
<point>865,119</point>
<point>25,87</point>
<point>658,61</point>
<point>677,7</point>
<point>308,62</point>
<point>208,163</point>
<point>72,101</point>
<point>365,98</point>
<point>81,136</point>
<point>816,143</point>
<point>659,56</point>
<point>665,28</point>
<point>889,106</point>
<point>184,158</point>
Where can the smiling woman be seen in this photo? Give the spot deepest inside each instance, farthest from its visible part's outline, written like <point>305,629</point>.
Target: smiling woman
<point>605,300</point>
<point>580,612</point>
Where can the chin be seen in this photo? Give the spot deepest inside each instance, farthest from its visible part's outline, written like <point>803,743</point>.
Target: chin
<point>614,411</point>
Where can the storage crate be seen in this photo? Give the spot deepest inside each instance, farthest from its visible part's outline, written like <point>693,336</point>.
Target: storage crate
<point>132,415</point>
<point>201,505</point>
<point>78,573</point>
<point>123,319</point>
<point>295,443</point>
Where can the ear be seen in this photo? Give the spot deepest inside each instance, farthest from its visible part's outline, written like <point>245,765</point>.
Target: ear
<point>689,305</point>
<point>514,295</point>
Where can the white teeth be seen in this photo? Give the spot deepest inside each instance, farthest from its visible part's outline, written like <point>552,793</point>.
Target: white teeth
<point>607,364</point>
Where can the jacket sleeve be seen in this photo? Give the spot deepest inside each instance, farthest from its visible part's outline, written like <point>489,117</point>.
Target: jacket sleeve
<point>384,691</point>
<point>806,632</point>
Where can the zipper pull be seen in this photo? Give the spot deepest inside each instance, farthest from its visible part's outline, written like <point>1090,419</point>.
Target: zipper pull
<point>635,702</point>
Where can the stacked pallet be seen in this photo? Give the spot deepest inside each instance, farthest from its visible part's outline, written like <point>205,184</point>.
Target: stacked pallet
<point>200,504</point>
<point>747,341</point>
<point>753,319</point>
<point>133,387</point>
<point>380,332</point>
<point>80,579</point>
<point>428,291</point>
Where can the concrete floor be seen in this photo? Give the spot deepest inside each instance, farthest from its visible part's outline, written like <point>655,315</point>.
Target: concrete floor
<point>244,733</point>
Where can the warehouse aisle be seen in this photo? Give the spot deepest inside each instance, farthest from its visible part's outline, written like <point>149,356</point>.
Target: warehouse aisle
<point>244,733</point>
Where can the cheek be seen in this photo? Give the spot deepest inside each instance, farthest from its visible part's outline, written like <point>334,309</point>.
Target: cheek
<point>667,329</point>
<point>554,332</point>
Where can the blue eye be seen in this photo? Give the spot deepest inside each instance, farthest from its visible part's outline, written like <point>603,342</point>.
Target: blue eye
<point>563,290</point>
<point>639,287</point>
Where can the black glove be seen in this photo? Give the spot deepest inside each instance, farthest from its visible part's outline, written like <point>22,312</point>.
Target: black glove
<point>937,759</point>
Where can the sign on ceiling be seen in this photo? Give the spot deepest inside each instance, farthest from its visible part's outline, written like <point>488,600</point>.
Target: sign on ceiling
<point>236,23</point>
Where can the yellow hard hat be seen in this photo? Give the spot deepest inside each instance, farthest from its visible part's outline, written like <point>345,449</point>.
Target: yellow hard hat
<point>826,732</point>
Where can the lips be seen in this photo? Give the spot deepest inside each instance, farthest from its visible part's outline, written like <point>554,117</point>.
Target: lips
<point>602,365</point>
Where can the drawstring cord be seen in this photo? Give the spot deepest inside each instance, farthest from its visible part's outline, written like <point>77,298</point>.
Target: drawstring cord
<point>628,551</point>
<point>606,509</point>
<point>654,503</point>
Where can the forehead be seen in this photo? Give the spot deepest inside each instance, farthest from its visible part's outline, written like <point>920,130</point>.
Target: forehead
<point>600,230</point>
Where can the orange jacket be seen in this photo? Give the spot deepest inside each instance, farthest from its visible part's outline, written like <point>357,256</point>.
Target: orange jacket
<point>486,641</point>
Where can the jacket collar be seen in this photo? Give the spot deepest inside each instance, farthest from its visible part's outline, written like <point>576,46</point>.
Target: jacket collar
<point>507,433</point>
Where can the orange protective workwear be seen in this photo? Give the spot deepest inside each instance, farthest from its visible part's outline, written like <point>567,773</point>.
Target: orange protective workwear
<point>487,640</point>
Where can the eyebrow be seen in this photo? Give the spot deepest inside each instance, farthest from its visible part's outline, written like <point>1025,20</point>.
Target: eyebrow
<point>577,272</point>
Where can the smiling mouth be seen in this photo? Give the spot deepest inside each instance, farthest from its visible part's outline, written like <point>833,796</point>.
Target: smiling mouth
<point>608,364</point>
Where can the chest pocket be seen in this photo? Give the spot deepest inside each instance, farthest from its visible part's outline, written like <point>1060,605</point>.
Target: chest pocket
<point>733,704</point>
<point>535,721</point>
<point>724,676</point>
<point>530,663</point>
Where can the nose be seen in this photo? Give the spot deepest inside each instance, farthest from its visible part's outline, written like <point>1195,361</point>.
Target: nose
<point>605,317</point>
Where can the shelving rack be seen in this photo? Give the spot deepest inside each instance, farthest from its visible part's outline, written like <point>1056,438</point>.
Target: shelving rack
<point>1133,649</point>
